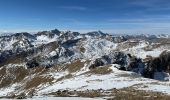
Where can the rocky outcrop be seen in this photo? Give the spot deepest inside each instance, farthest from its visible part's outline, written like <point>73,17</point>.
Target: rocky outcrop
<point>119,58</point>
<point>159,65</point>
<point>136,65</point>
<point>32,64</point>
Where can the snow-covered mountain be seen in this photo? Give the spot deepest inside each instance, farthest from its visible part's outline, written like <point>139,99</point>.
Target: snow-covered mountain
<point>46,62</point>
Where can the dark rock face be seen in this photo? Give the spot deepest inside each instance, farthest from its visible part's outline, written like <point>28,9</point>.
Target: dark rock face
<point>136,65</point>
<point>114,58</point>
<point>4,56</point>
<point>33,63</point>
<point>160,64</point>
<point>97,63</point>
<point>56,31</point>
<point>121,59</point>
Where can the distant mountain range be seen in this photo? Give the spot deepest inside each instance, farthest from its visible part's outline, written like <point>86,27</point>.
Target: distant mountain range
<point>48,61</point>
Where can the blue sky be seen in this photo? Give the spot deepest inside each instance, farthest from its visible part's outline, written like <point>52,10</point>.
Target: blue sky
<point>112,16</point>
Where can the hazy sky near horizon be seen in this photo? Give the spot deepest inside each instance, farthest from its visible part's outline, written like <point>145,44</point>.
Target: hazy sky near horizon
<point>113,16</point>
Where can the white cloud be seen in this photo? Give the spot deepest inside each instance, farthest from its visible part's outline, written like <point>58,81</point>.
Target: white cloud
<point>73,8</point>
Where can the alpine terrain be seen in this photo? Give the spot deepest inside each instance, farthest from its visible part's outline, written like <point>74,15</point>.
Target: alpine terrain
<point>91,65</point>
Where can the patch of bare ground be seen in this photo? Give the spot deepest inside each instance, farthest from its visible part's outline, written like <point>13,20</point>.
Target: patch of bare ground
<point>38,70</point>
<point>114,94</point>
<point>91,94</point>
<point>86,93</point>
<point>12,75</point>
<point>37,80</point>
<point>127,44</point>
<point>82,49</point>
<point>70,67</point>
<point>100,70</point>
<point>59,67</point>
<point>133,94</point>
<point>75,66</point>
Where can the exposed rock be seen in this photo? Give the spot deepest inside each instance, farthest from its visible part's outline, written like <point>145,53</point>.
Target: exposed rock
<point>21,96</point>
<point>11,95</point>
<point>158,67</point>
<point>136,65</point>
<point>33,63</point>
<point>119,58</point>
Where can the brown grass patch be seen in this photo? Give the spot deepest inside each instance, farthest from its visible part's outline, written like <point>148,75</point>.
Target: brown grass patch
<point>2,72</point>
<point>59,67</point>
<point>39,70</point>
<point>5,82</point>
<point>101,70</point>
<point>20,74</point>
<point>132,94</point>
<point>66,93</point>
<point>82,49</point>
<point>75,66</point>
<point>62,93</point>
<point>12,75</point>
<point>90,94</point>
<point>36,81</point>
<point>114,94</point>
